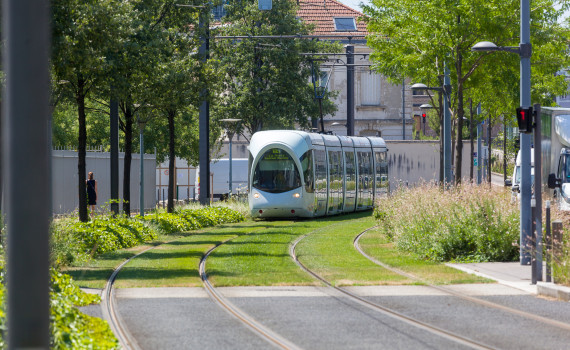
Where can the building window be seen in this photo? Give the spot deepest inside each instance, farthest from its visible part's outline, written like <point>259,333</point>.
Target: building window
<point>369,89</point>
<point>218,12</point>
<point>345,24</point>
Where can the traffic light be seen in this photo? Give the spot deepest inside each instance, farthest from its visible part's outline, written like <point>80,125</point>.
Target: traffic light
<point>524,119</point>
<point>423,117</point>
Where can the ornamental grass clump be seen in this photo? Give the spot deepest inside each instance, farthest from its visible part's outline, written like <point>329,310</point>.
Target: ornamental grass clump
<point>465,223</point>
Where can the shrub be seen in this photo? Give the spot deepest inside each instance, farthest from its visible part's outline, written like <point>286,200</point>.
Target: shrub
<point>192,219</point>
<point>69,327</point>
<point>465,223</point>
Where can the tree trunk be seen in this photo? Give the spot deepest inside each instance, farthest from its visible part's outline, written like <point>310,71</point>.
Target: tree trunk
<point>128,160</point>
<point>460,114</point>
<point>81,151</point>
<point>171,161</point>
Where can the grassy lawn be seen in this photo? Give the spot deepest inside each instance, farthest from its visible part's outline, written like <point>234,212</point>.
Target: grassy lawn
<point>257,253</point>
<point>379,247</point>
<point>330,253</point>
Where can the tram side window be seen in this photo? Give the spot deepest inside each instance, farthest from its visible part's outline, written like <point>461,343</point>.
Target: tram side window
<point>320,172</point>
<point>276,172</point>
<point>381,170</point>
<point>308,174</point>
<point>350,171</point>
<point>365,177</point>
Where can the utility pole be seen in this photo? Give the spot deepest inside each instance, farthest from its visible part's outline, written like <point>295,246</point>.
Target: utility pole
<point>26,160</point>
<point>204,117</point>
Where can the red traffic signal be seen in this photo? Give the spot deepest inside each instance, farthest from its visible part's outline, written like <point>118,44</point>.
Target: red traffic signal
<point>524,119</point>
<point>424,117</point>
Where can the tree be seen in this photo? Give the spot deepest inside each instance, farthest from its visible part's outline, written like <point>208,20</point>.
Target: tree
<point>151,43</point>
<point>266,82</point>
<point>414,39</point>
<point>86,34</point>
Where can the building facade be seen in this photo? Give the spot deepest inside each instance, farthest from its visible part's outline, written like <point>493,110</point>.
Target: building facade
<point>380,107</point>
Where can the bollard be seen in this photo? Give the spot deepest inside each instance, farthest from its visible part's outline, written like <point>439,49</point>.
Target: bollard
<point>533,243</point>
<point>548,240</point>
<point>556,239</point>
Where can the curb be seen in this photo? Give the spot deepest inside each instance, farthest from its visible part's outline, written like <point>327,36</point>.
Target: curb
<point>553,290</point>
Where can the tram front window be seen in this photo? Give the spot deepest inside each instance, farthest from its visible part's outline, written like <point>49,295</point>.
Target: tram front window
<point>276,172</point>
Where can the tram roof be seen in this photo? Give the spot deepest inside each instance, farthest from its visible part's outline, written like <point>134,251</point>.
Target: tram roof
<point>300,141</point>
<point>296,140</point>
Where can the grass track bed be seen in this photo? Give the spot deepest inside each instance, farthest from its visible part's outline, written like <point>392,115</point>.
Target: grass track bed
<point>331,254</point>
<point>375,244</point>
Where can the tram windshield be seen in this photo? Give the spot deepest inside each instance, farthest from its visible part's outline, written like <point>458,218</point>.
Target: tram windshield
<point>276,172</point>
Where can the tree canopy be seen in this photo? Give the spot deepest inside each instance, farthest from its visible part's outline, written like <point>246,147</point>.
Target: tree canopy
<point>415,38</point>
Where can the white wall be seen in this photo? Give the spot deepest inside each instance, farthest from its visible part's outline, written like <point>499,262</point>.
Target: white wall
<point>65,179</point>
<point>412,162</point>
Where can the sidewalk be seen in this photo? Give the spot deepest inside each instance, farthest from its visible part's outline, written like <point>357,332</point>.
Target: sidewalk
<point>515,275</point>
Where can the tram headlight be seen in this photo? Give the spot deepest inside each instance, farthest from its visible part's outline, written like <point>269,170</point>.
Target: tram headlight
<point>296,195</point>
<point>256,195</point>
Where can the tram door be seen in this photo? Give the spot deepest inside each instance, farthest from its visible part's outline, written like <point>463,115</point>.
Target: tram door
<point>350,182</point>
<point>321,182</point>
<point>365,179</point>
<point>336,183</point>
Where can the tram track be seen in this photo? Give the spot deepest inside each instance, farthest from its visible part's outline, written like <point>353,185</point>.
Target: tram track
<point>449,291</point>
<point>385,310</point>
<point>110,312</point>
<point>128,342</point>
<point>256,326</point>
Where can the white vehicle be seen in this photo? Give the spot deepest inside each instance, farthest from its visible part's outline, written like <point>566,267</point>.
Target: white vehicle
<point>515,182</point>
<point>556,155</point>
<point>220,172</point>
<point>300,174</point>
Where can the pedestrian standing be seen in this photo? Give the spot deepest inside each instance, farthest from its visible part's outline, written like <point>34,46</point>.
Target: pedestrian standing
<point>91,184</point>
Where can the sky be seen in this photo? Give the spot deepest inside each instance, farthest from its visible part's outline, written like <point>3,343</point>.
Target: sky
<point>355,4</point>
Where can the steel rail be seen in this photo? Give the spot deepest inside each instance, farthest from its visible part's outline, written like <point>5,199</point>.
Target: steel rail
<point>449,291</point>
<point>387,311</point>
<point>258,328</point>
<point>110,313</point>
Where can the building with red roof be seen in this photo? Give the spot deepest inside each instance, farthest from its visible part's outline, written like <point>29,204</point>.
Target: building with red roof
<point>377,102</point>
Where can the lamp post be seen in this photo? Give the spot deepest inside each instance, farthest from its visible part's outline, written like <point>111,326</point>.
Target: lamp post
<point>446,90</point>
<point>320,91</point>
<point>524,50</point>
<point>229,122</point>
<point>142,124</point>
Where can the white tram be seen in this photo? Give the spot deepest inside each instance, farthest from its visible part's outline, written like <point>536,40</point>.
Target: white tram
<point>300,174</point>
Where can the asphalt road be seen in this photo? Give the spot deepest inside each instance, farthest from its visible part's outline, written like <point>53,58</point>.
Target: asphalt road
<point>318,318</point>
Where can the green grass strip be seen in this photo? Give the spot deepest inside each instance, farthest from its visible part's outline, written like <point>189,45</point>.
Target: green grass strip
<point>331,254</point>
<point>377,245</point>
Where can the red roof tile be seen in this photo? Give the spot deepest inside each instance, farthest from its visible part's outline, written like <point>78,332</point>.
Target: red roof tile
<point>322,14</point>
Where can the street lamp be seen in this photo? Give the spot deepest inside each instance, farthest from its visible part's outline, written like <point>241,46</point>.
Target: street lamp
<point>524,50</point>
<point>446,91</point>
<point>228,122</point>
<point>320,91</point>
<point>142,124</point>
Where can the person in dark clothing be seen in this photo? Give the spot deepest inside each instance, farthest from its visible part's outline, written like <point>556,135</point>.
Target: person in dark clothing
<point>91,192</point>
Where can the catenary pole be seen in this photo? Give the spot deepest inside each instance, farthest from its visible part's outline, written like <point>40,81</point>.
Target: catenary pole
<point>446,127</point>
<point>204,117</point>
<point>26,161</point>
<point>479,145</point>
<point>350,90</point>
